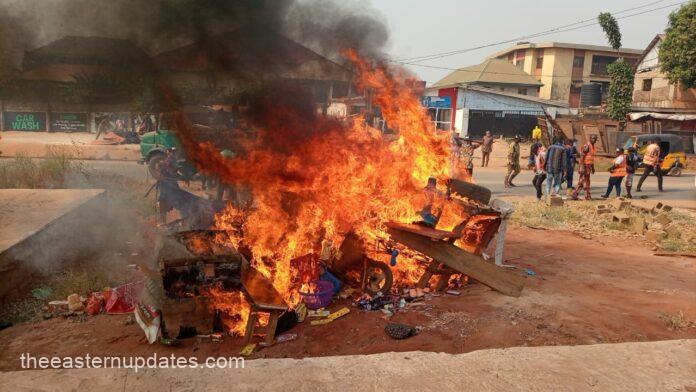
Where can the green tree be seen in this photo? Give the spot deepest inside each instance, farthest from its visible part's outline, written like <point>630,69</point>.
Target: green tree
<point>678,49</point>
<point>620,73</point>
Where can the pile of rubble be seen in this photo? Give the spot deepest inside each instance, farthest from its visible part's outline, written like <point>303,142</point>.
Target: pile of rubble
<point>651,221</point>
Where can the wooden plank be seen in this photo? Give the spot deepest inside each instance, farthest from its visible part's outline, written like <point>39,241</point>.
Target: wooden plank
<point>501,279</point>
<point>469,190</point>
<point>423,230</point>
<point>261,292</point>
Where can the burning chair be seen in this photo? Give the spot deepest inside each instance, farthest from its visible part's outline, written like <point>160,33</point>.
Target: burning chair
<point>472,235</point>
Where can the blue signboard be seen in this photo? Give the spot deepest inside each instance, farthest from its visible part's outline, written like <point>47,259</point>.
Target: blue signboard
<point>437,102</point>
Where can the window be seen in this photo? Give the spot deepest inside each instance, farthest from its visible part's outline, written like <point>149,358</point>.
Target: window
<point>599,64</point>
<point>647,84</point>
<point>442,118</point>
<point>522,91</point>
<point>540,59</point>
<point>578,61</point>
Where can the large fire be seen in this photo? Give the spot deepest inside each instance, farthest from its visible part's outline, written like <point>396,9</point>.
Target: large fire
<point>342,176</point>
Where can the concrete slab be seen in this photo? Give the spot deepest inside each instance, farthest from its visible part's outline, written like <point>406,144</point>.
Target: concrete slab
<point>42,229</point>
<point>24,212</point>
<point>645,366</point>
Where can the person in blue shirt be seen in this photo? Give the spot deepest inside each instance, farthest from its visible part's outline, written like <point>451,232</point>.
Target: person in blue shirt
<point>555,166</point>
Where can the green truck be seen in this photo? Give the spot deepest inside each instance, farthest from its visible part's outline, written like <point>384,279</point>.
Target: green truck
<point>209,124</point>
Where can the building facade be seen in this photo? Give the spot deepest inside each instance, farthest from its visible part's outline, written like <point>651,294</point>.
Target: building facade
<point>562,68</point>
<point>658,105</point>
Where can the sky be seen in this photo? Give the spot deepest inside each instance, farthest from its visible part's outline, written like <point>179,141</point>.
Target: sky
<point>425,27</point>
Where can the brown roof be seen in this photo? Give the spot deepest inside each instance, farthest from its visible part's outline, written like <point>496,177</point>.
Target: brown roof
<point>491,71</point>
<point>248,52</point>
<point>67,73</point>
<point>86,51</point>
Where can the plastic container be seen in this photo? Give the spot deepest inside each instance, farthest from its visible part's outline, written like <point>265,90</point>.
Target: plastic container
<point>321,297</point>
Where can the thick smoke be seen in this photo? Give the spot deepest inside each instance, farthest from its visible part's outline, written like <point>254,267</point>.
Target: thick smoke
<point>157,25</point>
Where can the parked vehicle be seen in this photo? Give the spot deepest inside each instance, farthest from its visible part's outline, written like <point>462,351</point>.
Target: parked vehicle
<point>672,151</point>
<point>210,124</point>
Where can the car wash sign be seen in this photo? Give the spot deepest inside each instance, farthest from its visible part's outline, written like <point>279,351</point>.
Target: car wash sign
<point>437,102</point>
<point>24,121</point>
<point>68,121</point>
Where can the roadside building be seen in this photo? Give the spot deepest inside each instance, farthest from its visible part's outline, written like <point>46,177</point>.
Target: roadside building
<point>492,96</point>
<point>470,110</point>
<point>564,68</point>
<point>658,105</point>
<point>73,84</point>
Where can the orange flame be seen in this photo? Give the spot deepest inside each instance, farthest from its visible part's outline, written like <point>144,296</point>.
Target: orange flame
<point>343,175</point>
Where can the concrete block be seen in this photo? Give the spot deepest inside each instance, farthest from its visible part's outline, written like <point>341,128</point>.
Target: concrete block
<point>655,235</point>
<point>620,204</point>
<point>639,225</point>
<point>666,208</point>
<point>602,209</point>
<point>621,217</point>
<point>673,231</point>
<point>663,219</point>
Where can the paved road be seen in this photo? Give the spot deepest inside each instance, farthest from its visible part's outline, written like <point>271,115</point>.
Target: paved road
<point>681,189</point>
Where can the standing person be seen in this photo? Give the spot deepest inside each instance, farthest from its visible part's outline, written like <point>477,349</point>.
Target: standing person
<point>533,149</point>
<point>632,161</point>
<point>555,167</point>
<point>486,148</point>
<point>571,160</point>
<point>513,166</point>
<point>586,168</point>
<point>539,171</point>
<point>618,172</point>
<point>467,151</point>
<point>651,162</point>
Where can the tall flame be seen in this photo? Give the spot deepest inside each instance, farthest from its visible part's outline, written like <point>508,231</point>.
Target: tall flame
<point>343,175</point>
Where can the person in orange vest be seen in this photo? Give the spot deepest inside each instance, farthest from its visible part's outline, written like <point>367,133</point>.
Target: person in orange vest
<point>618,172</point>
<point>651,162</point>
<point>586,168</point>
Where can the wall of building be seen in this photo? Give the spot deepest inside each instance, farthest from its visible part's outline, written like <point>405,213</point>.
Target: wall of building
<point>661,94</point>
<point>532,91</point>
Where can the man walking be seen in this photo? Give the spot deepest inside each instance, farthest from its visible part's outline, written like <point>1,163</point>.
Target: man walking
<point>486,148</point>
<point>618,172</point>
<point>539,171</point>
<point>555,165</point>
<point>586,168</point>
<point>513,166</point>
<point>651,162</point>
<point>632,161</point>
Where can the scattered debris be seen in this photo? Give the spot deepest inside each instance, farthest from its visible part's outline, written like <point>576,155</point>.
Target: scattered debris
<point>399,331</point>
<point>247,350</point>
<point>333,316</point>
<point>453,292</point>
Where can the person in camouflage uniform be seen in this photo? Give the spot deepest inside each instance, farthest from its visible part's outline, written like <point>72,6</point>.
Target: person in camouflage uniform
<point>513,166</point>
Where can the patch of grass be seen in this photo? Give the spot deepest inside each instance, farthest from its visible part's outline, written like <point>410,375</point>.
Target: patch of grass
<point>677,321</point>
<point>56,170</point>
<point>80,281</point>
<point>677,245</point>
<point>538,214</point>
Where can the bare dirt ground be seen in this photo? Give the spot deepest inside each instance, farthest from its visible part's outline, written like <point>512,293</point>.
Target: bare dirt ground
<point>601,290</point>
<point>645,366</point>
